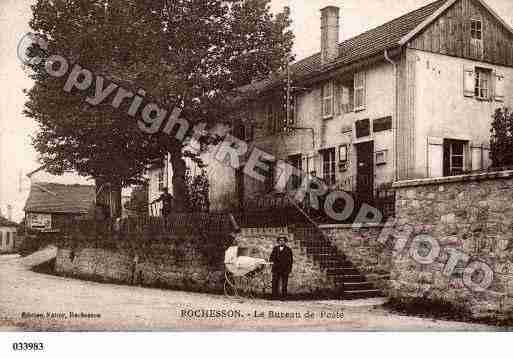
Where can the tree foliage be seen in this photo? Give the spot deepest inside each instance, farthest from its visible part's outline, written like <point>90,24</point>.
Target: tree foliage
<point>501,140</point>
<point>186,53</point>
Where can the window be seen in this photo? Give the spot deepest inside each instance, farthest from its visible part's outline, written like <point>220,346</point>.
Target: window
<point>8,239</point>
<point>454,157</point>
<point>342,153</point>
<point>269,176</point>
<point>1,239</point>
<point>382,124</point>
<point>276,118</point>
<point>327,100</point>
<point>291,120</point>
<point>482,84</point>
<point>310,166</point>
<point>476,29</point>
<point>381,157</point>
<point>476,34</point>
<point>160,179</point>
<point>328,166</point>
<point>359,91</point>
<point>347,99</point>
<point>296,161</point>
<point>362,128</point>
<point>246,132</point>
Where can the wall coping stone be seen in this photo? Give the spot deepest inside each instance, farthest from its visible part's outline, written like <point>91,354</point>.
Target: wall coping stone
<point>454,179</point>
<point>355,225</point>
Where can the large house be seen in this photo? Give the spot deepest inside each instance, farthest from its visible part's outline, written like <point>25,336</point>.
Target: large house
<point>412,98</point>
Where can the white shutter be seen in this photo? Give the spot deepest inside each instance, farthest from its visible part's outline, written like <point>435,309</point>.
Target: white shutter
<point>359,90</point>
<point>499,87</point>
<point>337,89</point>
<point>469,82</point>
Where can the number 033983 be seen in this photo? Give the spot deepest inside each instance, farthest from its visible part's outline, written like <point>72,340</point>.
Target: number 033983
<point>19,346</point>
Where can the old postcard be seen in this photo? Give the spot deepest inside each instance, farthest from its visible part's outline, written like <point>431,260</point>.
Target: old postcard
<point>255,165</point>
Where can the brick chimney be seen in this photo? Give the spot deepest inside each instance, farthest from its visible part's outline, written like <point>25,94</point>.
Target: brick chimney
<point>329,33</point>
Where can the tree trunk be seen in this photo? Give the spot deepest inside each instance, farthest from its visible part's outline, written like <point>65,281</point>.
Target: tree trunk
<point>179,186</point>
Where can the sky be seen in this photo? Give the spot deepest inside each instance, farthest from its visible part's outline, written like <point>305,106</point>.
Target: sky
<point>18,157</point>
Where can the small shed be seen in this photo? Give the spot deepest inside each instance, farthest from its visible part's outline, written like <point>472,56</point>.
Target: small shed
<point>51,207</point>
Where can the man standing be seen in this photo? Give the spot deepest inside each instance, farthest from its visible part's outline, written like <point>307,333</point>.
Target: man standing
<point>281,258</point>
<point>167,202</point>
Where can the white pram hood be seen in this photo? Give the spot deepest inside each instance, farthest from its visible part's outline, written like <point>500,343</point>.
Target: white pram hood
<point>241,265</point>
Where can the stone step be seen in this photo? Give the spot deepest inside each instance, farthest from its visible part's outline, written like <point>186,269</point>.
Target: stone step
<point>315,243</point>
<point>356,278</point>
<point>360,294</point>
<point>342,270</point>
<point>326,256</point>
<point>320,250</point>
<point>334,263</point>
<point>352,286</point>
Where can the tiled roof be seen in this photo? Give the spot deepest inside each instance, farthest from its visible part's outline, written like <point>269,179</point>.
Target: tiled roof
<point>58,198</point>
<point>367,44</point>
<point>4,222</point>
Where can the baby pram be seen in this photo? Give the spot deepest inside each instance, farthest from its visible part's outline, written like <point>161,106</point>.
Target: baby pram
<point>242,273</point>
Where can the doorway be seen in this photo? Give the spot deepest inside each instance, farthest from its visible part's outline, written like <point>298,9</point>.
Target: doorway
<point>365,172</point>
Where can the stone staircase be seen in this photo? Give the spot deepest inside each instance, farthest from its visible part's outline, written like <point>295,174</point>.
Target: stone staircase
<point>349,282</point>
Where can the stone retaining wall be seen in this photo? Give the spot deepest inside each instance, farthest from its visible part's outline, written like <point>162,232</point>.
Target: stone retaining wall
<point>471,214</point>
<point>186,262</point>
<point>182,262</point>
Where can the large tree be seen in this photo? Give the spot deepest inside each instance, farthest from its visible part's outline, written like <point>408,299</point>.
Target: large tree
<point>184,53</point>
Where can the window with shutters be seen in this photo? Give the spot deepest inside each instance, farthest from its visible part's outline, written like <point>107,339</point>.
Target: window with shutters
<point>359,91</point>
<point>483,84</point>
<point>327,100</point>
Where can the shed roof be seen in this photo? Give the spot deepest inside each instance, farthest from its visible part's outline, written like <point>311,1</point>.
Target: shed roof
<point>47,197</point>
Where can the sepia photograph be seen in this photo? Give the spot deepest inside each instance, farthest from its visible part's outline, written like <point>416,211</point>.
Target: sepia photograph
<point>255,166</point>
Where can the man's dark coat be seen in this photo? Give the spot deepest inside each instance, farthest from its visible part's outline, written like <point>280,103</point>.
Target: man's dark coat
<point>282,260</point>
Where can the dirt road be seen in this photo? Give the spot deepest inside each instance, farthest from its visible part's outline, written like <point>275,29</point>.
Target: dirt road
<point>33,301</point>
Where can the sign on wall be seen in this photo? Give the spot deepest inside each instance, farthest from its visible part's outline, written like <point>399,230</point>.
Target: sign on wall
<point>39,221</point>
